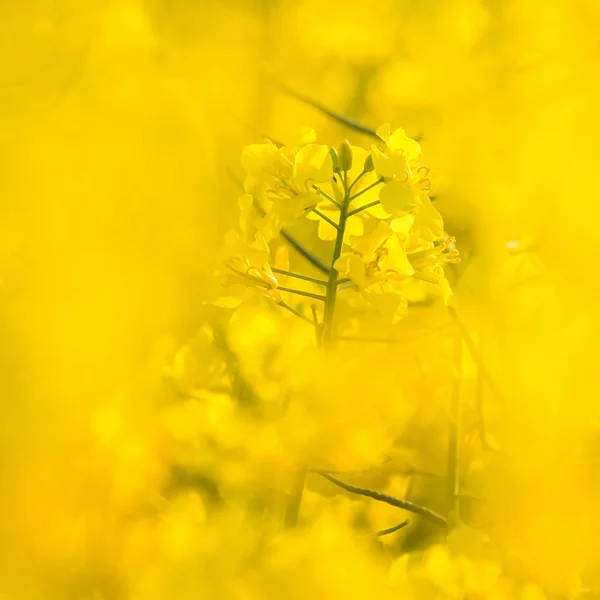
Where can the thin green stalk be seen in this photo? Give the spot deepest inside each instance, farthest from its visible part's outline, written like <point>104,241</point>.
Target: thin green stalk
<point>313,310</point>
<point>301,293</point>
<point>369,187</point>
<point>332,283</point>
<point>363,173</point>
<point>325,218</point>
<point>299,276</point>
<point>391,500</point>
<point>346,121</point>
<point>325,195</point>
<point>295,312</point>
<point>315,261</point>
<point>361,208</point>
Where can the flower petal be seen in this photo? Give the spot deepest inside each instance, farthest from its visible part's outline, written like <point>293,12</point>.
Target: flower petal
<point>313,163</point>
<point>397,198</point>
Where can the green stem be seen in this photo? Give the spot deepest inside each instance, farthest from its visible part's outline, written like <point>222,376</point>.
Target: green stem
<point>361,208</point>
<point>292,511</point>
<point>315,261</point>
<point>391,500</point>
<point>332,282</point>
<point>325,218</point>
<point>322,193</point>
<point>369,187</point>
<point>363,173</point>
<point>295,312</point>
<point>343,120</point>
<point>299,276</point>
<point>301,293</point>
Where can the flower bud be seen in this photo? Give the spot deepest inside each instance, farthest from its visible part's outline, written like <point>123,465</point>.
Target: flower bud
<point>368,166</point>
<point>334,159</point>
<point>345,156</point>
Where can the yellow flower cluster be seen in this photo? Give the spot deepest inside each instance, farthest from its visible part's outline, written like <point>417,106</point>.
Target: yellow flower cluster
<point>388,238</point>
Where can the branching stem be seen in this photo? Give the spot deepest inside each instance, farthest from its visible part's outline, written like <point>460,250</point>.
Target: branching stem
<point>361,208</point>
<point>299,276</point>
<point>301,293</point>
<point>332,283</point>
<point>391,500</point>
<point>325,335</point>
<point>369,187</point>
<point>363,173</point>
<point>326,218</point>
<point>315,261</point>
<point>295,312</point>
<point>325,195</point>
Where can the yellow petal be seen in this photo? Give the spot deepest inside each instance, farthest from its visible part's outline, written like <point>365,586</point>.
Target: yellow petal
<point>282,258</point>
<point>400,142</point>
<point>396,258</point>
<point>390,164</point>
<point>359,156</point>
<point>403,225</point>
<point>368,243</point>
<point>245,201</point>
<point>397,198</point>
<point>306,135</point>
<point>388,304</point>
<point>313,163</point>
<point>384,132</point>
<point>353,267</point>
<point>428,222</point>
<point>326,231</point>
<point>259,159</point>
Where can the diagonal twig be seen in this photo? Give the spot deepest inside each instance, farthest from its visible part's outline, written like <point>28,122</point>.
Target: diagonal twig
<point>346,121</point>
<point>391,500</point>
